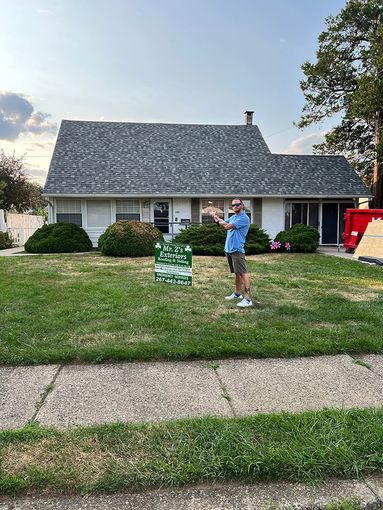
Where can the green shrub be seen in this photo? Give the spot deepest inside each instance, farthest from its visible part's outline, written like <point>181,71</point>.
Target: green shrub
<point>129,239</point>
<point>59,238</point>
<point>5,241</point>
<point>204,239</point>
<point>210,239</point>
<point>257,241</point>
<point>302,238</point>
<point>300,227</point>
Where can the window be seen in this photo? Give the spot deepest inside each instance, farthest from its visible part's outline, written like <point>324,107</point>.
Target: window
<point>127,210</point>
<point>301,212</point>
<point>212,205</point>
<point>69,211</point>
<point>161,216</point>
<point>298,214</point>
<point>217,205</point>
<point>314,215</point>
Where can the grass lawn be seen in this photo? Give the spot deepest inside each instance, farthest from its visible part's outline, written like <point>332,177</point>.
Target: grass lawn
<point>94,308</point>
<point>308,447</point>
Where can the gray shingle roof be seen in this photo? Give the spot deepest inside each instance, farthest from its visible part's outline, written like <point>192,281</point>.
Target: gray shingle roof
<point>121,158</point>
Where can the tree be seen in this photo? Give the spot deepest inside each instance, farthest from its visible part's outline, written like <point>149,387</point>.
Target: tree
<point>17,193</point>
<point>3,185</point>
<point>33,198</point>
<point>347,79</point>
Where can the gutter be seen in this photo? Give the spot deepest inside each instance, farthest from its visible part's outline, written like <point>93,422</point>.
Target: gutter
<point>198,195</point>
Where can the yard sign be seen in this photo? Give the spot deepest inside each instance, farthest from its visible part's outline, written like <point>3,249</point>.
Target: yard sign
<point>173,263</point>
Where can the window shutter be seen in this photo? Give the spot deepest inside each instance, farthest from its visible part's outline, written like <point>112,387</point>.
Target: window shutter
<point>257,208</point>
<point>195,210</point>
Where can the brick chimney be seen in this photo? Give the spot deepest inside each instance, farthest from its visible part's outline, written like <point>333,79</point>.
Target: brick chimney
<point>248,118</point>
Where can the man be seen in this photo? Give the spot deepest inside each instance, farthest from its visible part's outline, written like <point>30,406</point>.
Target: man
<point>237,227</point>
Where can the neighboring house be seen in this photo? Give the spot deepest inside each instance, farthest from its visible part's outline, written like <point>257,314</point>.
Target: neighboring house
<point>169,174</point>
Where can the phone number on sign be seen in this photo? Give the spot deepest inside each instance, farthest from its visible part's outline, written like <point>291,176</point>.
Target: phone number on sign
<point>172,280</point>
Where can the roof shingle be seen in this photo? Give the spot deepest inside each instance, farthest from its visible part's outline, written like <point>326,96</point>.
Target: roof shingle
<point>122,158</point>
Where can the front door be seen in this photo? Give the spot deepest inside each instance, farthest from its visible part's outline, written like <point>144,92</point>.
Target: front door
<point>333,221</point>
<point>161,214</point>
<point>330,223</point>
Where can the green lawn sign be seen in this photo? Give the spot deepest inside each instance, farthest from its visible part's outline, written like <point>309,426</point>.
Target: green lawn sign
<point>173,263</point>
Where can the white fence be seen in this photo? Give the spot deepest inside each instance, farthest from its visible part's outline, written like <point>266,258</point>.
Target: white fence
<point>21,226</point>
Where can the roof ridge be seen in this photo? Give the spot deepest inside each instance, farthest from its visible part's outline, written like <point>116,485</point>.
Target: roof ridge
<point>156,123</point>
<point>310,155</point>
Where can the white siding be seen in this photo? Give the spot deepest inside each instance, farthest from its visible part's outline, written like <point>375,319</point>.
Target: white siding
<point>181,211</point>
<point>273,215</point>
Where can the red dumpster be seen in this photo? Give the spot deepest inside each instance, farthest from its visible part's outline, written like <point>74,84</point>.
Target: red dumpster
<point>355,223</point>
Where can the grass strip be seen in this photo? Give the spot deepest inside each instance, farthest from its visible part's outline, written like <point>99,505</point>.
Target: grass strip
<point>343,504</point>
<point>60,309</point>
<point>346,505</point>
<point>305,447</point>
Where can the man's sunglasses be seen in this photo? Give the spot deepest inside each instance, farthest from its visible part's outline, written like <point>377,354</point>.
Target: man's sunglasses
<point>238,204</point>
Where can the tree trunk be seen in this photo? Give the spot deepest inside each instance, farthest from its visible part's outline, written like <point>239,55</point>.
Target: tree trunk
<point>377,180</point>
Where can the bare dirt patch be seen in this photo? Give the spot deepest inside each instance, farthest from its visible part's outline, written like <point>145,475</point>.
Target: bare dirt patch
<point>206,272</point>
<point>324,325</point>
<point>357,295</point>
<point>103,338</point>
<point>266,258</point>
<point>87,457</point>
<point>220,310</point>
<point>72,274</point>
<point>107,264</point>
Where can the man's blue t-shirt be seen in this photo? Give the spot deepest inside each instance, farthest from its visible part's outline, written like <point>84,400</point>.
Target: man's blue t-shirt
<point>236,237</point>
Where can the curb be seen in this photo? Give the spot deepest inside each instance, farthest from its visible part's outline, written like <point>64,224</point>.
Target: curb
<point>263,496</point>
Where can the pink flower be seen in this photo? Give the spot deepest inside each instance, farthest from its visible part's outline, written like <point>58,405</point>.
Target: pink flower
<point>275,245</point>
<point>287,246</point>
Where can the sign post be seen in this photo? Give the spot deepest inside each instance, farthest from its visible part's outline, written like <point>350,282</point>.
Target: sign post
<point>173,263</point>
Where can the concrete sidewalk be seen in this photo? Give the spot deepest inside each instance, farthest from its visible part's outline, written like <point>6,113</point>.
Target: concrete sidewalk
<point>261,496</point>
<point>70,395</point>
<point>9,252</point>
<point>335,251</point>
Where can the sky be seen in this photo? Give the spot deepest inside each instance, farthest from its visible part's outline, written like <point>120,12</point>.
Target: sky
<point>171,61</point>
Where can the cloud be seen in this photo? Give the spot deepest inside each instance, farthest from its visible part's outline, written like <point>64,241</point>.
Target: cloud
<point>17,116</point>
<point>39,146</point>
<point>36,173</point>
<point>304,145</point>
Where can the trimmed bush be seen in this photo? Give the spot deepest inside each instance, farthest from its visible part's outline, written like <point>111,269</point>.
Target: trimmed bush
<point>204,239</point>
<point>302,238</point>
<point>5,241</point>
<point>210,239</point>
<point>129,239</point>
<point>59,238</point>
<point>257,241</point>
<point>300,227</point>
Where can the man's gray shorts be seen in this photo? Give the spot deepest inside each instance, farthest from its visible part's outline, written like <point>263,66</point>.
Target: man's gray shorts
<point>237,262</point>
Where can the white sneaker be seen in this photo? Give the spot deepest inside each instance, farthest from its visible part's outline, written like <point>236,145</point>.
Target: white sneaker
<point>233,295</point>
<point>245,303</point>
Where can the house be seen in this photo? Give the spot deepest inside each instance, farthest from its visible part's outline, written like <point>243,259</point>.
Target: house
<point>170,174</point>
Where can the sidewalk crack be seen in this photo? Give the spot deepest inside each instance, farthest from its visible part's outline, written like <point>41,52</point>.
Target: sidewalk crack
<point>365,364</point>
<point>378,500</point>
<point>225,393</point>
<point>47,389</point>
